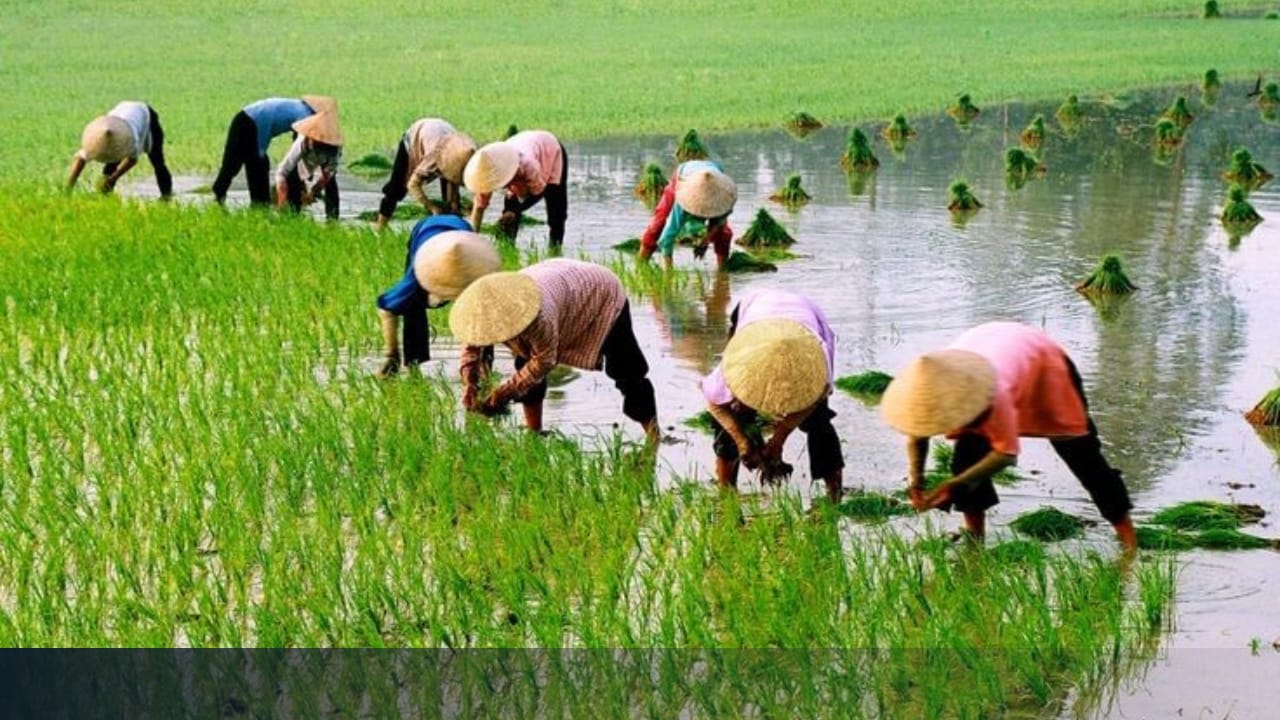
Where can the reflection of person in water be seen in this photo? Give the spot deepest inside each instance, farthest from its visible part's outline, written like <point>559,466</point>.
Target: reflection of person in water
<point>694,337</point>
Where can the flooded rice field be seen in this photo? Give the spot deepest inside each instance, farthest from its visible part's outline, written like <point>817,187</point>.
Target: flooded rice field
<point>1169,372</point>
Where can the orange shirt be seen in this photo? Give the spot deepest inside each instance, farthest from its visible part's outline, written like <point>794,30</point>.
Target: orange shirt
<point>1035,396</point>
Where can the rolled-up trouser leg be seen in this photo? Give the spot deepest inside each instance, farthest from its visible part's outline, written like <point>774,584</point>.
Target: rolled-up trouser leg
<point>624,363</point>
<point>825,456</point>
<point>976,498</point>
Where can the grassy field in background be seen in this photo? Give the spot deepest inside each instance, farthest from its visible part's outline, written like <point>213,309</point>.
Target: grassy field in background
<point>585,68</point>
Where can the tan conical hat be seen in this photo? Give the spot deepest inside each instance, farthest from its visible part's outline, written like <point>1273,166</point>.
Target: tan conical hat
<point>455,152</point>
<point>447,263</point>
<point>106,139</point>
<point>707,193</point>
<point>321,127</point>
<point>491,167</point>
<point>776,367</point>
<point>495,308</point>
<point>939,392</point>
<point>321,103</point>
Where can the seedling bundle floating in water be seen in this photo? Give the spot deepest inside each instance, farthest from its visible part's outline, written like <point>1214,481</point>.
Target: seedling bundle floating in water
<point>857,153</point>
<point>1108,278</point>
<point>1069,114</point>
<point>898,132</point>
<point>690,147</point>
<point>1211,9</point>
<point>1020,165</point>
<point>1179,113</point>
<point>791,194</point>
<point>1049,525</point>
<point>1245,170</point>
<point>1269,100</point>
<point>1204,524</point>
<point>741,262</point>
<point>1238,212</point>
<point>802,123</point>
<point>1208,515</point>
<point>869,385</point>
<point>652,182</point>
<point>963,109</point>
<point>1210,86</point>
<point>371,164</point>
<point>962,198</point>
<point>1267,412</point>
<point>1168,135</point>
<point>873,506</point>
<point>1033,134</point>
<point>765,232</point>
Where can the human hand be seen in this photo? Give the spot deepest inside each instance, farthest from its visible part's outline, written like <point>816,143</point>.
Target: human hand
<point>942,495</point>
<point>390,366</point>
<point>775,471</point>
<point>700,250</point>
<point>308,197</point>
<point>492,406</point>
<point>751,457</point>
<point>915,494</point>
<point>509,223</point>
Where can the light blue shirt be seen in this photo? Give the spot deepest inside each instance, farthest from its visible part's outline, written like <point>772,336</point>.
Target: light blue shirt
<point>275,116</point>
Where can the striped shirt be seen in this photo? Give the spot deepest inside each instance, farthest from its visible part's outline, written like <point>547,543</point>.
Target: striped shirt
<point>580,303</point>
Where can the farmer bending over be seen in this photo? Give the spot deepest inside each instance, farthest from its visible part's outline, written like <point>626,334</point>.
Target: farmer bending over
<point>695,203</point>
<point>995,383</point>
<point>117,139</point>
<point>431,148</point>
<point>531,165</point>
<point>250,135</point>
<point>311,165</point>
<point>780,362</point>
<point>435,272</point>
<point>552,312</point>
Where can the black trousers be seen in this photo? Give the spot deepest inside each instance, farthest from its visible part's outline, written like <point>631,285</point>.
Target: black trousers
<point>557,199</point>
<point>623,361</point>
<point>164,179</point>
<point>825,456</point>
<point>1083,456</point>
<point>293,194</point>
<point>395,189</point>
<point>242,151</point>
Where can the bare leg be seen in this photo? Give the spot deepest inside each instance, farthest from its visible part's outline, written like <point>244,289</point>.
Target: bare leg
<point>727,472</point>
<point>975,524</point>
<point>835,486</point>
<point>533,416</point>
<point>1127,535</point>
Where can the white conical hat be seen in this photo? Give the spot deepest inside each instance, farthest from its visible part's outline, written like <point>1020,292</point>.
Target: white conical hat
<point>447,263</point>
<point>106,139</point>
<point>939,392</point>
<point>706,193</point>
<point>495,308</point>
<point>491,167</point>
<point>321,127</point>
<point>776,367</point>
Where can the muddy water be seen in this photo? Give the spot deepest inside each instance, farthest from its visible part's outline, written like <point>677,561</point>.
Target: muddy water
<point>1168,376</point>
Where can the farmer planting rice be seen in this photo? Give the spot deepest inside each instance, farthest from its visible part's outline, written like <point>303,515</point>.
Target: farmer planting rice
<point>250,135</point>
<point>434,274</point>
<point>779,362</point>
<point>695,203</point>
<point>430,149</point>
<point>311,165</point>
<point>531,165</point>
<point>994,384</point>
<point>117,139</point>
<point>554,312</point>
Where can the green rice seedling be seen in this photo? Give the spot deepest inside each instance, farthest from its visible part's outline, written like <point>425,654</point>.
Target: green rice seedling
<point>869,385</point>
<point>1245,170</point>
<point>791,194</point>
<point>1272,15</point>
<point>1049,525</point>
<point>857,153</point>
<point>1033,134</point>
<point>1179,112</point>
<point>898,129</point>
<point>1016,552</point>
<point>963,109</point>
<point>1020,163</point>
<point>403,211</point>
<point>873,506</point>
<point>962,198</point>
<point>1208,515</point>
<point>1108,278</point>
<point>630,245</point>
<point>704,423</point>
<point>1163,538</point>
<point>772,254</point>
<point>1168,134</point>
<point>939,470</point>
<point>765,231</point>
<point>1239,211</point>
<point>1210,87</point>
<point>1069,113</point>
<point>653,180</point>
<point>690,147</point>
<point>1211,9</point>
<point>1269,100</point>
<point>1231,539</point>
<point>371,164</point>
<point>511,130</point>
<point>1267,411</point>
<point>802,124</point>
<point>742,262</point>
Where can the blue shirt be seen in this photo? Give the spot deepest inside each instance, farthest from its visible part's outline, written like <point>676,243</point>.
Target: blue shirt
<point>679,216</point>
<point>407,295</point>
<point>275,116</point>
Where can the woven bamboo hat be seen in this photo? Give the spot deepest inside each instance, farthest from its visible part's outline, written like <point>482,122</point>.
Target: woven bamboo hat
<point>939,392</point>
<point>495,308</point>
<point>321,127</point>
<point>106,139</point>
<point>491,167</point>
<point>455,152</point>
<point>776,367</point>
<point>452,260</point>
<point>707,193</point>
<point>321,103</point>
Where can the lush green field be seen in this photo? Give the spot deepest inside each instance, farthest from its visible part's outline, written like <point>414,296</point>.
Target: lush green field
<point>587,68</point>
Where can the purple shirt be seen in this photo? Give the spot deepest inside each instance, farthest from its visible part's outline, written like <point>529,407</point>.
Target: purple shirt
<point>775,305</point>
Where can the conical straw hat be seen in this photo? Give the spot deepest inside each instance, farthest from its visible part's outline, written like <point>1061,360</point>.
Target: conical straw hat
<point>491,167</point>
<point>776,367</point>
<point>321,103</point>
<point>106,139</point>
<point>939,392</point>
<point>707,193</point>
<point>321,127</point>
<point>495,308</point>
<point>455,152</point>
<point>447,263</point>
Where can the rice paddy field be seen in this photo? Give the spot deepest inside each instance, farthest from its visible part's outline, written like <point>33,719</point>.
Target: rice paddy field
<point>195,453</point>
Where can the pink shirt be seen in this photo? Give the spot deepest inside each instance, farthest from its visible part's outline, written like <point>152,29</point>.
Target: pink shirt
<point>540,159</point>
<point>1035,396</point>
<point>769,304</point>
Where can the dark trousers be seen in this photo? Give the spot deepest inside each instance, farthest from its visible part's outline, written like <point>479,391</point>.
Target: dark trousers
<point>293,194</point>
<point>557,199</point>
<point>395,189</point>
<point>164,179</point>
<point>825,456</point>
<point>1083,456</point>
<point>242,151</point>
<point>624,363</point>
<point>416,331</point>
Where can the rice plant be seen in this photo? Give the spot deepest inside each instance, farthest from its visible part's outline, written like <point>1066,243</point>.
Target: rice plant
<point>1033,134</point>
<point>1108,278</point>
<point>1049,525</point>
<point>653,180</point>
<point>765,231</point>
<point>868,385</point>
<point>1210,87</point>
<point>690,147</point>
<point>857,153</point>
<point>1245,170</point>
<point>802,124</point>
<point>1267,411</point>
<point>1238,211</point>
<point>1179,113</point>
<point>1269,100</point>
<point>1069,114</point>
<point>1211,9</point>
<point>899,129</point>
<point>962,198</point>
<point>1168,134</point>
<point>1021,164</point>
<point>1208,515</point>
<point>963,109</point>
<point>791,194</point>
<point>742,262</point>
<point>370,164</point>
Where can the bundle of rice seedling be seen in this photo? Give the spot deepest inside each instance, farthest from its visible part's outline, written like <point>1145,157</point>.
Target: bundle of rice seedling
<point>1161,538</point>
<point>898,129</point>
<point>370,164</point>
<point>1033,134</point>
<point>703,422</point>
<point>1267,411</point>
<point>652,181</point>
<point>511,130</point>
<point>1208,515</point>
<point>1019,162</point>
<point>741,262</point>
<point>1179,112</point>
<point>1069,112</point>
<point>1245,170</point>
<point>873,506</point>
<point>691,147</point>
<point>1228,539</point>
<point>962,198</point>
<point>1015,552</point>
<point>1270,97</point>
<point>1211,9</point>
<point>963,109</point>
<point>765,232</point>
<point>869,385</point>
<point>1108,278</point>
<point>1168,134</point>
<point>630,245</point>
<point>1238,211</point>
<point>857,153</point>
<point>1210,86</point>
<point>791,194</point>
<point>939,471</point>
<point>802,123</point>
<point>1049,524</point>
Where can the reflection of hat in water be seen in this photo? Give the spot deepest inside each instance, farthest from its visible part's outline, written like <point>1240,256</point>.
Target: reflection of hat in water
<point>321,127</point>
<point>495,308</point>
<point>776,367</point>
<point>106,139</point>
<point>491,167</point>
<point>707,193</point>
<point>447,263</point>
<point>939,392</point>
<point>454,153</point>
<point>321,103</point>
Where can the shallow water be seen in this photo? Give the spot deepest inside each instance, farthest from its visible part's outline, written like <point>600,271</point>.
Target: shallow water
<point>1168,377</point>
